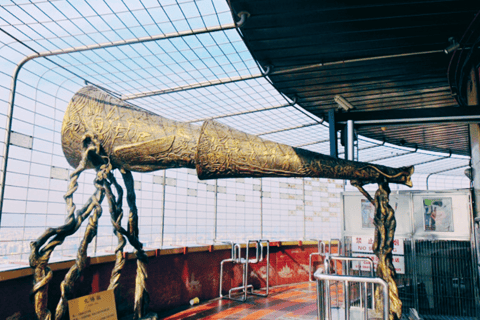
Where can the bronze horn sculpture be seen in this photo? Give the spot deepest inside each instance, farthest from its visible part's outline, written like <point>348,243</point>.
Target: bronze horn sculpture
<point>138,140</point>
<point>103,132</point>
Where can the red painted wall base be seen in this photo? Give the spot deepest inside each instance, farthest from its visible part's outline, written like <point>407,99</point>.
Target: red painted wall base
<point>173,279</point>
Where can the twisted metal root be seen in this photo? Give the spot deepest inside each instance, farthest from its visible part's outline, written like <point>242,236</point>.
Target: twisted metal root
<point>76,270</point>
<point>40,254</point>
<point>116,215</point>
<point>385,225</point>
<point>42,277</point>
<point>141,293</point>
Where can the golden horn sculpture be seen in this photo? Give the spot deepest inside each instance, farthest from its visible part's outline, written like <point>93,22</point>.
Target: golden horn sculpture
<point>102,132</point>
<point>139,140</point>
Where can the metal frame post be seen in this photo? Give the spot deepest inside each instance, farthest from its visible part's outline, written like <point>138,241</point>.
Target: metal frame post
<point>215,210</point>
<point>261,208</point>
<point>346,297</point>
<point>320,300</point>
<point>350,141</point>
<point>320,252</point>
<point>259,258</point>
<point>332,130</point>
<point>328,300</point>
<point>163,206</point>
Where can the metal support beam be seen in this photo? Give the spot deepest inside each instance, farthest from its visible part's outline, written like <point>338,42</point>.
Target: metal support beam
<point>341,62</point>
<point>445,170</point>
<point>311,143</point>
<point>412,116</point>
<point>288,129</point>
<point>333,133</point>
<point>350,141</point>
<point>369,147</point>
<point>35,55</point>
<point>393,156</point>
<point>240,113</point>
<point>198,85</point>
<point>433,160</point>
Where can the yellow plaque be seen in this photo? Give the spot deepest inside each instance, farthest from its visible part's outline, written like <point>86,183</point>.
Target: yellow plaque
<point>97,306</point>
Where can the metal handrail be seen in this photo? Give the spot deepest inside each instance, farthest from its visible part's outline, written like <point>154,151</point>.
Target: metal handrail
<point>346,290</point>
<point>322,252</point>
<point>232,247</point>
<point>259,258</point>
<point>323,305</point>
<point>340,251</point>
<point>236,258</point>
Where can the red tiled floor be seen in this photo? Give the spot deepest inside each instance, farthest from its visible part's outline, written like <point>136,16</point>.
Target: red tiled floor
<point>286,302</point>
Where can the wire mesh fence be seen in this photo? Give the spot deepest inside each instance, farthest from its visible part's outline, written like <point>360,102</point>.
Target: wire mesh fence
<point>439,280</point>
<point>195,75</point>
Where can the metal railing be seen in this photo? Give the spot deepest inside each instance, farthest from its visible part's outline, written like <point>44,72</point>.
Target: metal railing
<point>236,258</point>
<point>323,299</point>
<point>346,289</point>
<point>323,290</point>
<point>322,252</point>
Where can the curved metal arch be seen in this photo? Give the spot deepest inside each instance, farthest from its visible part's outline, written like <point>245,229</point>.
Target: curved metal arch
<point>240,113</point>
<point>44,54</point>
<point>445,170</point>
<point>197,85</point>
<point>288,129</point>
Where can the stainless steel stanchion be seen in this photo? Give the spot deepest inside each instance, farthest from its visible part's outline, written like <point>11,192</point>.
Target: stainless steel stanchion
<point>323,294</point>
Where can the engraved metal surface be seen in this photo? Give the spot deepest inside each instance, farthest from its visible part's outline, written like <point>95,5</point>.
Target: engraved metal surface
<point>224,152</point>
<point>138,140</point>
<point>134,139</point>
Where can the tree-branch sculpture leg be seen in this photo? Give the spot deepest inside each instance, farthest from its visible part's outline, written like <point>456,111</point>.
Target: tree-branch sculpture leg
<point>385,225</point>
<point>141,294</point>
<point>40,254</point>
<point>76,270</point>
<point>116,215</point>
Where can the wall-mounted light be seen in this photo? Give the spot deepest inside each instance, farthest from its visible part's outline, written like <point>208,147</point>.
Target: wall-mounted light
<point>343,103</point>
<point>454,45</point>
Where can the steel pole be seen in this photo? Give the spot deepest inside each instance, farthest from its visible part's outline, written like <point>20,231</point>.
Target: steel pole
<point>350,140</point>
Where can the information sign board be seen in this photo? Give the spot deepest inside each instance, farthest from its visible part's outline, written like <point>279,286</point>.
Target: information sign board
<point>97,306</point>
